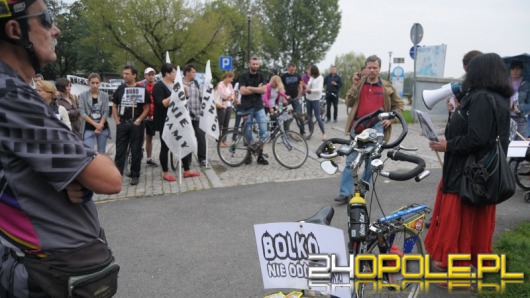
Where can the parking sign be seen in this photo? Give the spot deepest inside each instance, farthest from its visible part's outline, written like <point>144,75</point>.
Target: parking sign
<point>225,62</point>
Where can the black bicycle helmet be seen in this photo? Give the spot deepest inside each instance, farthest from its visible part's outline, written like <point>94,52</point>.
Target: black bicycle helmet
<point>14,9</point>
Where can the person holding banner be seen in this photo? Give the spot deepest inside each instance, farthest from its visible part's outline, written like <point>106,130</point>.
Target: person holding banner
<point>129,113</point>
<point>194,94</point>
<point>162,98</point>
<point>252,85</point>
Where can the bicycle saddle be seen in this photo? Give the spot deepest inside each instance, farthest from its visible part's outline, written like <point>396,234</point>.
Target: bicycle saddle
<point>244,113</point>
<point>322,217</point>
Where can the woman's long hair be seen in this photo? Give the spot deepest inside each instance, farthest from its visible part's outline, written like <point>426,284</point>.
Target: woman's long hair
<point>488,71</point>
<point>279,84</point>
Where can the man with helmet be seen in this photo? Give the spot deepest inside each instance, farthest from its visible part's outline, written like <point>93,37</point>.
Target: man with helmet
<point>47,175</point>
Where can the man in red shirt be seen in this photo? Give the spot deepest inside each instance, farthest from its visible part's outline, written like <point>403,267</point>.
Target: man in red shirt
<point>367,94</point>
<point>149,83</point>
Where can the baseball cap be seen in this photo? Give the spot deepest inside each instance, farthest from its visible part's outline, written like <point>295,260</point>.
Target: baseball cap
<point>13,8</point>
<point>149,69</point>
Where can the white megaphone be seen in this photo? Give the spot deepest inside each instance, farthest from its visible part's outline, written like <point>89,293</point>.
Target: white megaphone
<point>432,97</point>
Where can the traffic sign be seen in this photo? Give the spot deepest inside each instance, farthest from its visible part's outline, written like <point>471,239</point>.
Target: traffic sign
<point>413,52</point>
<point>398,72</point>
<point>416,33</point>
<point>225,62</point>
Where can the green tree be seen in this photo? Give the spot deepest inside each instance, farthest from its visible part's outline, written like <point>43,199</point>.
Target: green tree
<point>299,31</point>
<point>347,65</point>
<point>140,32</point>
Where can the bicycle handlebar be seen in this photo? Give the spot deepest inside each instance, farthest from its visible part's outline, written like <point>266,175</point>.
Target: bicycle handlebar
<point>323,148</point>
<point>398,156</point>
<point>383,116</point>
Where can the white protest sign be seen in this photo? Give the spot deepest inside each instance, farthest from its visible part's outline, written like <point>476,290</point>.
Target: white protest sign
<point>283,250</point>
<point>178,131</point>
<point>132,96</point>
<point>208,122</point>
<point>517,148</point>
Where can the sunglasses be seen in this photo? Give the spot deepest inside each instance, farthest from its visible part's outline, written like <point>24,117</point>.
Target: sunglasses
<point>45,18</point>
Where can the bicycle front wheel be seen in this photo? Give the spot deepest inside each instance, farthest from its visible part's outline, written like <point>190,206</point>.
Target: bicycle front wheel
<point>521,171</point>
<point>237,151</point>
<point>290,149</point>
<point>400,241</point>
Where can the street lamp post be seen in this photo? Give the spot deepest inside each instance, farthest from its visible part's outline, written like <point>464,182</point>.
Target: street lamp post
<point>389,63</point>
<point>248,35</point>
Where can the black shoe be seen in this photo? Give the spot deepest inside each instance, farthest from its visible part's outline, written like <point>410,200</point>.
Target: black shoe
<point>342,199</point>
<point>248,159</point>
<point>428,224</point>
<point>203,163</point>
<point>262,161</point>
<point>152,163</point>
<point>135,180</point>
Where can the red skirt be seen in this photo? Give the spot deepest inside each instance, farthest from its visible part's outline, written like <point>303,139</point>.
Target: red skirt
<point>459,228</point>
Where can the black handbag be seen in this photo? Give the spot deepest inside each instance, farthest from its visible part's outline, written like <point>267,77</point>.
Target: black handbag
<point>488,180</point>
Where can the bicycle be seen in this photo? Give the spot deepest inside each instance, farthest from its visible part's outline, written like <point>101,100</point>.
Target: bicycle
<point>288,147</point>
<point>399,232</point>
<point>303,120</point>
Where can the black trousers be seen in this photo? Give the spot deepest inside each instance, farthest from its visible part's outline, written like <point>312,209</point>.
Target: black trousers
<point>223,116</point>
<point>129,135</point>
<point>332,98</point>
<point>164,157</point>
<point>201,140</point>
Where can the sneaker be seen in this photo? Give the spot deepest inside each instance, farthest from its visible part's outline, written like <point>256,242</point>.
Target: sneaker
<point>327,121</point>
<point>135,180</point>
<point>335,121</point>
<point>203,163</point>
<point>262,161</point>
<point>248,159</point>
<point>342,199</point>
<point>152,163</point>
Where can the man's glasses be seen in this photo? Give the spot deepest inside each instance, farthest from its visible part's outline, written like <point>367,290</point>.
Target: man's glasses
<point>45,18</point>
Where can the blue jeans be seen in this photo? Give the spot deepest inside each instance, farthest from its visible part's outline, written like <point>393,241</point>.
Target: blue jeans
<point>261,119</point>
<point>90,139</point>
<point>313,107</point>
<point>346,179</point>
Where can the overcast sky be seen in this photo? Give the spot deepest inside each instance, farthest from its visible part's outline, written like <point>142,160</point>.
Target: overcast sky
<point>382,26</point>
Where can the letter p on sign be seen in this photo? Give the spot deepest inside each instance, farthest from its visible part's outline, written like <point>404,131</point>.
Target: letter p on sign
<point>225,63</point>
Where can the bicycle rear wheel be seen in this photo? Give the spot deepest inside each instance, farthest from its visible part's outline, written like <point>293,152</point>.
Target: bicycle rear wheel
<point>290,149</point>
<point>401,241</point>
<point>237,151</point>
<point>521,171</point>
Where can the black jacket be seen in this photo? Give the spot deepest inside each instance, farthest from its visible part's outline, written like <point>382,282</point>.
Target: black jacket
<point>472,129</point>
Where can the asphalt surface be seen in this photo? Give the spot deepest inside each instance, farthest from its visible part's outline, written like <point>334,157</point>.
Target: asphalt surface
<point>196,238</point>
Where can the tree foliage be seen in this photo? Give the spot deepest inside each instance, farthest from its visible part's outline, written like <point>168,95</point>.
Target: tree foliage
<point>299,31</point>
<point>347,65</point>
<point>103,35</point>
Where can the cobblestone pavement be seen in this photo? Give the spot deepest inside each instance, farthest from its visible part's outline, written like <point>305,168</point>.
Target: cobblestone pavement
<point>217,174</point>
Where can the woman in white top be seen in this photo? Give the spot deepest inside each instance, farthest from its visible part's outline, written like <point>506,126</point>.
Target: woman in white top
<point>313,94</point>
<point>227,97</point>
<point>47,91</point>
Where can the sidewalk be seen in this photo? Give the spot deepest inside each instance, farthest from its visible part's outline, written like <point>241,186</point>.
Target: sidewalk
<point>220,175</point>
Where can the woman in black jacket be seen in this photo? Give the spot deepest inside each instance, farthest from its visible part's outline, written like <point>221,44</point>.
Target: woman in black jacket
<point>456,227</point>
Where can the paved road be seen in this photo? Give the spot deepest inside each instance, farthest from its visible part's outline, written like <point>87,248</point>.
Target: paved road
<point>201,244</point>
<point>196,239</point>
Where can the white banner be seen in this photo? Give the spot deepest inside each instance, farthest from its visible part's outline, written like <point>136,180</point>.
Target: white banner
<point>178,130</point>
<point>208,122</point>
<point>284,247</point>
